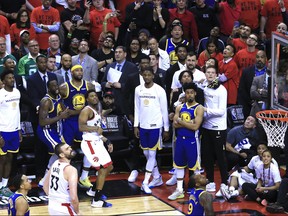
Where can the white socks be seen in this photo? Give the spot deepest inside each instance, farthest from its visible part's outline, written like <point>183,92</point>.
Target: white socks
<point>180,175</point>
<point>84,174</point>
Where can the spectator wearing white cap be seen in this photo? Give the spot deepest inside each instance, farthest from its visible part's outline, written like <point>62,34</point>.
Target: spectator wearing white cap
<point>22,49</point>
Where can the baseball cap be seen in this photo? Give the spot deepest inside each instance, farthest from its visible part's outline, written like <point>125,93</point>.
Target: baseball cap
<point>23,31</point>
<point>109,94</point>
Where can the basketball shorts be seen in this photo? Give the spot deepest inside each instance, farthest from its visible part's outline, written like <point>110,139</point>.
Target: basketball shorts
<point>58,208</point>
<point>71,131</point>
<point>49,137</point>
<point>96,153</point>
<point>12,142</point>
<point>186,153</point>
<point>150,139</point>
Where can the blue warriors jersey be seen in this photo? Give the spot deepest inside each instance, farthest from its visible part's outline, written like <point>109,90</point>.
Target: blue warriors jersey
<point>12,203</point>
<point>170,49</point>
<point>187,114</point>
<point>194,207</point>
<point>53,112</point>
<point>75,98</point>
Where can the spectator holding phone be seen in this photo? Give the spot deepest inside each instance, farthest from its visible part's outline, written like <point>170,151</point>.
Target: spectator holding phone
<point>101,18</point>
<point>72,21</point>
<point>138,16</point>
<point>228,12</point>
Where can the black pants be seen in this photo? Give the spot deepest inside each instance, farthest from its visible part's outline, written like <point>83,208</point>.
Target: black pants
<point>282,197</point>
<point>213,147</point>
<point>234,159</point>
<point>250,190</point>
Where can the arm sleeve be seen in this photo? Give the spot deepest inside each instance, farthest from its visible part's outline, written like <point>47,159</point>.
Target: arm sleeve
<point>136,108</point>
<point>165,64</point>
<point>104,79</point>
<point>54,28</point>
<point>94,71</point>
<point>37,29</point>
<point>222,104</point>
<point>222,78</point>
<point>232,72</point>
<point>175,80</point>
<point>164,110</point>
<point>21,68</point>
<point>56,20</point>
<point>276,175</point>
<point>231,137</point>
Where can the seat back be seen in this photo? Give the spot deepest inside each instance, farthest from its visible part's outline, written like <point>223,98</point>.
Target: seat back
<point>235,116</point>
<point>119,131</point>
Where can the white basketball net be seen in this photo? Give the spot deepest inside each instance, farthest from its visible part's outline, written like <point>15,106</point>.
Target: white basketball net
<point>274,127</point>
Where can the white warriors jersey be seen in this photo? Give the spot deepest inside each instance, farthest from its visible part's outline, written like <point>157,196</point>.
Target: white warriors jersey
<point>9,110</point>
<point>58,185</point>
<point>95,121</point>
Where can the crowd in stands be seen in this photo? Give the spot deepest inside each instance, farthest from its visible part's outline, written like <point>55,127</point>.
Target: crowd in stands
<point>224,47</point>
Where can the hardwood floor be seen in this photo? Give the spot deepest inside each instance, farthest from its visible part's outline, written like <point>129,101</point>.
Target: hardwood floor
<point>128,199</point>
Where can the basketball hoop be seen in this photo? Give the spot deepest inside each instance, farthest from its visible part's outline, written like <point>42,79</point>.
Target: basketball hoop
<point>275,124</point>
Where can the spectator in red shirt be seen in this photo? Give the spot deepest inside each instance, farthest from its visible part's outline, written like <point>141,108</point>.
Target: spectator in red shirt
<point>246,57</point>
<point>121,8</point>
<point>239,43</point>
<point>228,74</point>
<point>229,12</point>
<point>46,21</point>
<point>22,23</point>
<point>187,19</point>
<point>31,4</point>
<point>250,12</point>
<point>211,50</point>
<point>101,17</point>
<point>271,16</point>
<point>5,32</point>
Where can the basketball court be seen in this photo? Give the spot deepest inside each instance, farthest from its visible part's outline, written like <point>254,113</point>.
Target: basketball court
<point>128,199</point>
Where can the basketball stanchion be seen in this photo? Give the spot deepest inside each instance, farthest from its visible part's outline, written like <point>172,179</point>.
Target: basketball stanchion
<point>275,124</point>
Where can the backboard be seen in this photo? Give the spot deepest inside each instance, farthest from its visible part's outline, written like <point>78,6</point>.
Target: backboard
<point>279,80</point>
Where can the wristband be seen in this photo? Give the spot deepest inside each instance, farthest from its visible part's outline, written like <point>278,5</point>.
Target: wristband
<point>107,142</point>
<point>69,35</point>
<point>159,16</point>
